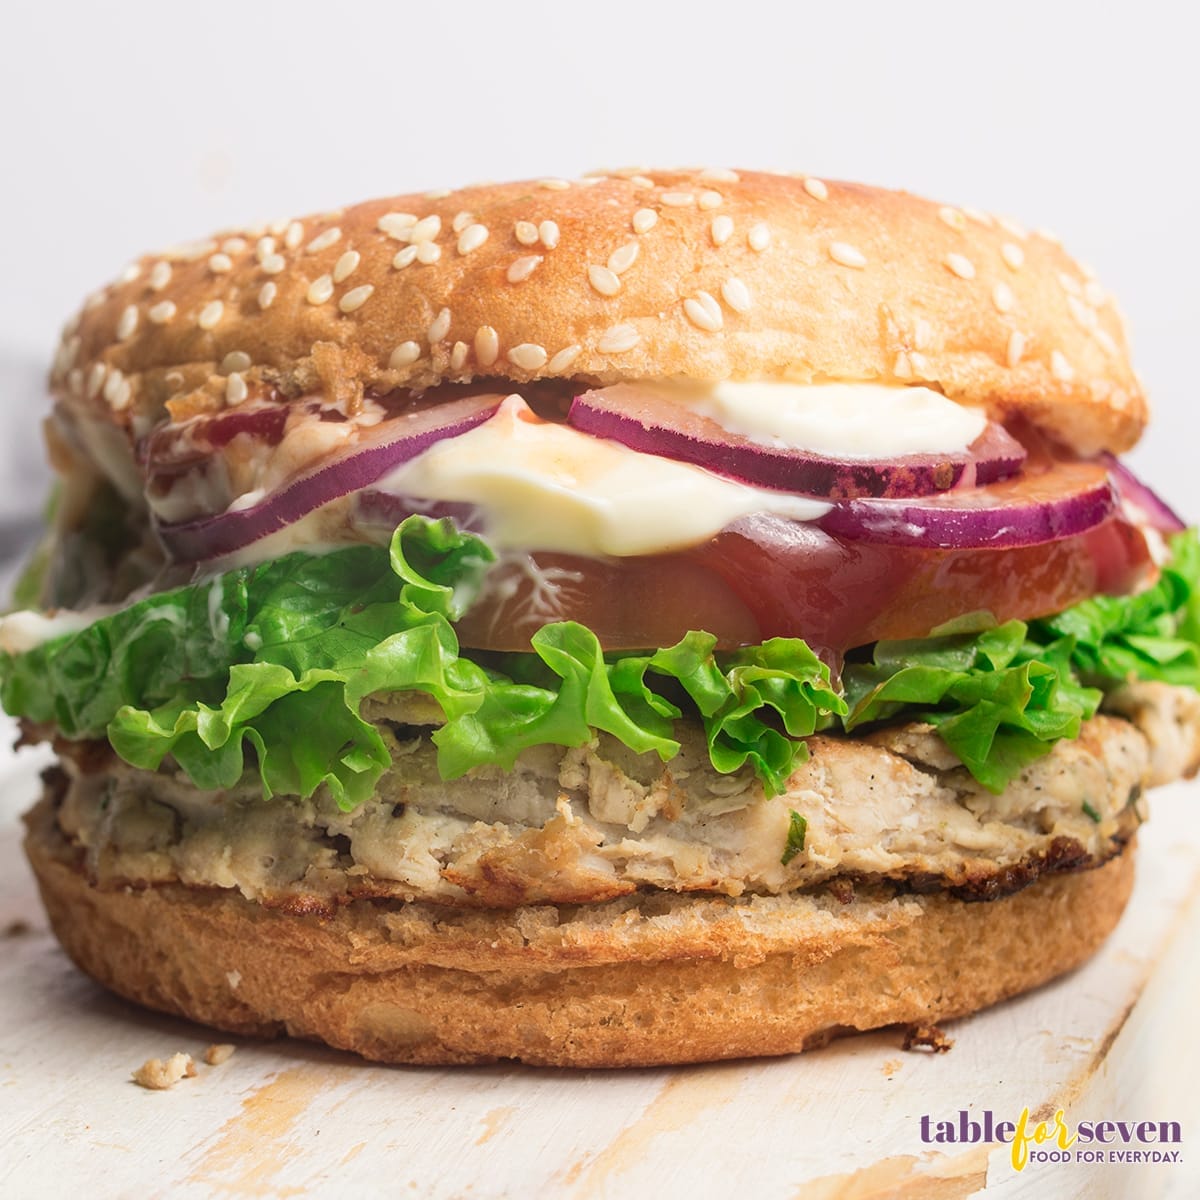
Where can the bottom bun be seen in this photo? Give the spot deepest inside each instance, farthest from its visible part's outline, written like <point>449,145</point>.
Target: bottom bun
<point>647,980</point>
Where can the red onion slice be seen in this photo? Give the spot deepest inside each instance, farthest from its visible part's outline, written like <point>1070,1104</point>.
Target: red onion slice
<point>653,424</point>
<point>1143,505</point>
<point>1068,499</point>
<point>380,450</point>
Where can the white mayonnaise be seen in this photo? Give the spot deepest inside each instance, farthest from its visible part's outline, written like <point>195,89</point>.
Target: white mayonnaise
<point>24,630</point>
<point>544,486</point>
<point>838,420</point>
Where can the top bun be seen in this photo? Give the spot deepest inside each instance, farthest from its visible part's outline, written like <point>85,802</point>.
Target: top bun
<point>704,274</point>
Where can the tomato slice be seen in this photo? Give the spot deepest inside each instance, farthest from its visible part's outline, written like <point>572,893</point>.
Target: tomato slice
<point>768,577</point>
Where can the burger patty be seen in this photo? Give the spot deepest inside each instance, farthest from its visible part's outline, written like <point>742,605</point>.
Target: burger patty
<point>596,822</point>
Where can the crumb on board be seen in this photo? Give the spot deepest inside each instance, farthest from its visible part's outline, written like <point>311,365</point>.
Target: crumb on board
<point>17,928</point>
<point>891,1067</point>
<point>218,1053</point>
<point>927,1037</point>
<point>158,1074</point>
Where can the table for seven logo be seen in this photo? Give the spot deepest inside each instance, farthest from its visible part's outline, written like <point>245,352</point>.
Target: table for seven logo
<point>1089,1141</point>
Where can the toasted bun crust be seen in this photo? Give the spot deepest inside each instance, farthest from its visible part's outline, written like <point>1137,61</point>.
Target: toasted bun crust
<point>644,981</point>
<point>708,275</point>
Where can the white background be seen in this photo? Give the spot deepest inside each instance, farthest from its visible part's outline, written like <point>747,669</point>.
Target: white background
<point>125,126</point>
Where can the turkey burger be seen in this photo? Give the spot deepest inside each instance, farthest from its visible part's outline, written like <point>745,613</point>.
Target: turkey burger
<point>650,618</point>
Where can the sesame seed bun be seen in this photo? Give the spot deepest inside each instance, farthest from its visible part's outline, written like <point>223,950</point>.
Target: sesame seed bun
<point>699,274</point>
<point>643,981</point>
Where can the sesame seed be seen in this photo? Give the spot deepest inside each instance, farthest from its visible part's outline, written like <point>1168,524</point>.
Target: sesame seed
<point>472,238</point>
<point>439,327</point>
<point>404,355</point>
<point>523,267</point>
<point>979,216</point>
<point>528,356</point>
<point>210,314</point>
<point>922,334</point>
<point>218,264</point>
<point>458,356</point>
<point>704,312</point>
<point>721,229</point>
<point>960,265</point>
<point>426,229</point>
<point>235,389</point>
<point>405,257</point>
<point>622,258</point>
<point>162,312</point>
<point>346,265</point>
<point>1105,339</point>
<point>355,298</point>
<point>1060,367</point>
<point>1002,297</point>
<point>1012,228</point>
<point>487,345</point>
<point>273,264</point>
<point>618,339</point>
<point>95,378</point>
<point>1080,311</point>
<point>554,185</point>
<point>319,290</point>
<point>428,252</point>
<point>190,251</point>
<point>548,232</point>
<point>1048,235</point>
<point>847,255</point>
<point>266,295</point>
<point>1013,255</point>
<point>235,360</point>
<point>324,240</point>
<point>952,217</point>
<point>396,225</point>
<point>1094,293</point>
<point>720,175</point>
<point>95,299</point>
<point>117,390</point>
<point>736,295</point>
<point>1070,284</point>
<point>1016,348</point>
<point>160,275</point>
<point>75,381</point>
<point>816,188</point>
<point>265,248</point>
<point>461,221</point>
<point>112,384</point>
<point>563,359</point>
<point>603,280</point>
<point>439,193</point>
<point>130,273</point>
<point>678,199</point>
<point>127,323</point>
<point>644,220</point>
<point>293,235</point>
<point>710,200</point>
<point>759,237</point>
<point>526,232</point>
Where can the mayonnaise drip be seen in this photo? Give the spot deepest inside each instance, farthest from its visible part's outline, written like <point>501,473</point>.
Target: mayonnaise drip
<point>545,486</point>
<point>839,420</point>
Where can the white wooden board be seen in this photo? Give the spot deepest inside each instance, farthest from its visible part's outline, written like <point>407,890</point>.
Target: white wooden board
<point>1115,1041</point>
